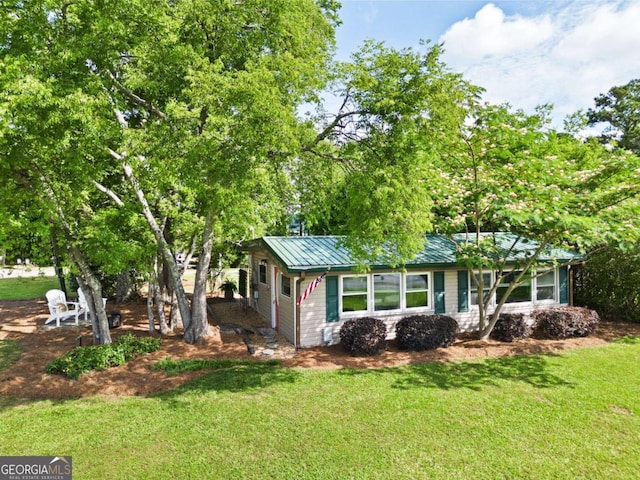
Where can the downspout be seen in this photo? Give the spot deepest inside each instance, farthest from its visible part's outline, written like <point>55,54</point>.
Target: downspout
<point>570,280</point>
<point>296,313</point>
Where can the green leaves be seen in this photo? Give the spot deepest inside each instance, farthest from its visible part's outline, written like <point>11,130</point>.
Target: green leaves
<point>81,360</point>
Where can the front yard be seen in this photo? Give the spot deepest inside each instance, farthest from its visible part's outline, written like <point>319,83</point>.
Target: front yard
<point>532,409</point>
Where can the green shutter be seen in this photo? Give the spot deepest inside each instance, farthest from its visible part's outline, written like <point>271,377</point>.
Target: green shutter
<point>564,284</point>
<point>463,291</point>
<point>332,299</point>
<point>438,292</point>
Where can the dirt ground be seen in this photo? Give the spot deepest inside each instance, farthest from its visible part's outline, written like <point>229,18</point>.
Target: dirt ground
<point>24,322</point>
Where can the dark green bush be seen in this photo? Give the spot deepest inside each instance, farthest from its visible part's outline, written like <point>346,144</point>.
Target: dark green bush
<point>426,332</point>
<point>99,357</point>
<point>566,322</point>
<point>511,326</point>
<point>363,336</point>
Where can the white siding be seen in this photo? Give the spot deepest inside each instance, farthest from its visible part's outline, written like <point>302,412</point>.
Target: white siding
<point>286,306</point>
<point>262,304</point>
<point>312,313</point>
<point>470,321</point>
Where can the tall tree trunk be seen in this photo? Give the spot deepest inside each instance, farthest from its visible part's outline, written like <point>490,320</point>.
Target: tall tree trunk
<point>123,288</point>
<point>150,314</point>
<point>167,256</point>
<point>56,261</point>
<point>199,328</point>
<point>174,314</point>
<point>89,283</point>
<point>92,291</point>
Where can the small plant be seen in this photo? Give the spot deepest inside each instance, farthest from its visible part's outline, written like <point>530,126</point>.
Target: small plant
<point>511,326</point>
<point>363,336</point>
<point>229,288</point>
<point>566,322</point>
<point>99,357</point>
<point>426,332</point>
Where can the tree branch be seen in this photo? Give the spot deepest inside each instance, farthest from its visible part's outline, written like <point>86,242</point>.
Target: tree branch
<point>136,99</point>
<point>109,193</point>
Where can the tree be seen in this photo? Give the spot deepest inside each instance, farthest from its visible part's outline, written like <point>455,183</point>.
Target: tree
<point>418,152</point>
<point>620,109</point>
<point>194,97</point>
<point>369,161</point>
<point>511,173</point>
<point>608,282</point>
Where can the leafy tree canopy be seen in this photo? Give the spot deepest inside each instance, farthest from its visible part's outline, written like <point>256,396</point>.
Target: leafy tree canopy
<point>620,108</point>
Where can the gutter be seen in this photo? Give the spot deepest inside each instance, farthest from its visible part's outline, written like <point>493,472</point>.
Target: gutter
<point>296,313</point>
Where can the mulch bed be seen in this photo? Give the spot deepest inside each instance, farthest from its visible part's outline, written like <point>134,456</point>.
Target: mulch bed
<point>24,322</point>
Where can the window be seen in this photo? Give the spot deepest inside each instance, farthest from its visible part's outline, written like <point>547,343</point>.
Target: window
<point>263,272</point>
<point>522,293</point>
<point>355,293</point>
<point>417,290</point>
<point>285,286</point>
<point>386,291</point>
<point>546,286</point>
<point>473,288</point>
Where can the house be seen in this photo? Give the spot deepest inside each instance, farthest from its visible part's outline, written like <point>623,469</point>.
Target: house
<point>281,268</point>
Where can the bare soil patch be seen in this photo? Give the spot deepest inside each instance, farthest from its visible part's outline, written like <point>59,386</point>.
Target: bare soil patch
<point>24,322</point>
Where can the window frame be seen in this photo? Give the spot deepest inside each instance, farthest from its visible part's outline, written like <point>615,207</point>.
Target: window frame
<point>533,286</point>
<point>374,308</point>
<point>430,301</point>
<point>262,268</point>
<point>284,293</point>
<point>514,273</point>
<point>370,295</point>
<point>556,285</point>
<point>473,288</point>
<point>341,295</point>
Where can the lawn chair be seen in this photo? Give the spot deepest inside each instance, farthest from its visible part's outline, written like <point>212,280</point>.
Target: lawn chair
<point>59,308</point>
<point>84,307</point>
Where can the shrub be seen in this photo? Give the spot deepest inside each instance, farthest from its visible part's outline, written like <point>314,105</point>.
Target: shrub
<point>426,332</point>
<point>363,336</point>
<point>566,322</point>
<point>99,357</point>
<point>511,326</point>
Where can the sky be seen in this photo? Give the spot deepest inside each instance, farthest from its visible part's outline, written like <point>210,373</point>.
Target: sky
<point>523,52</point>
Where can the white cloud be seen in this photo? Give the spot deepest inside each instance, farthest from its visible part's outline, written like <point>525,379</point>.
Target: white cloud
<point>491,33</point>
<point>566,56</point>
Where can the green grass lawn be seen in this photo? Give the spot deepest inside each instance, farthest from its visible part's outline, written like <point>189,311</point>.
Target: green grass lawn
<point>570,416</point>
<point>26,288</point>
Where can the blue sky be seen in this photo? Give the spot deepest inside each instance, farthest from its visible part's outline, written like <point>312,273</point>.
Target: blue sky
<point>524,52</point>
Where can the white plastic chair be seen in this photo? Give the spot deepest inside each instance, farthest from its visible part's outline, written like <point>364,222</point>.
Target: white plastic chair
<point>60,308</point>
<point>84,307</point>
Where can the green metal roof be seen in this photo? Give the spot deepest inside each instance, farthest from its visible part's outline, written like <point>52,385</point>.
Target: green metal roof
<point>316,253</point>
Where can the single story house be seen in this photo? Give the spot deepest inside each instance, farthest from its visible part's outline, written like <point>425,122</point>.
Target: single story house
<point>281,270</point>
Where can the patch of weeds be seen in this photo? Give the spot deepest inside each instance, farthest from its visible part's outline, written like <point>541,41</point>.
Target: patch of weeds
<point>99,357</point>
